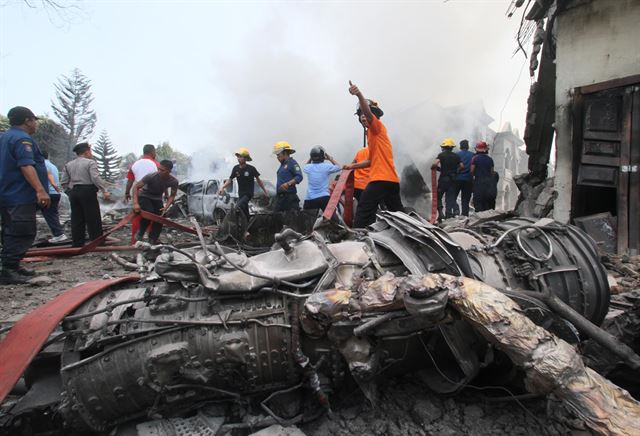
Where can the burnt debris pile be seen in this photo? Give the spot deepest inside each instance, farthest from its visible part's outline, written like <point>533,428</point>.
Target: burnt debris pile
<point>215,339</point>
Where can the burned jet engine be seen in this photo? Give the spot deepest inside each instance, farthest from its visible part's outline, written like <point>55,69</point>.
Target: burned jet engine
<point>214,325</point>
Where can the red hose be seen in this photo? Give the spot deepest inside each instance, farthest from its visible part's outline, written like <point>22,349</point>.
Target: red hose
<point>434,196</point>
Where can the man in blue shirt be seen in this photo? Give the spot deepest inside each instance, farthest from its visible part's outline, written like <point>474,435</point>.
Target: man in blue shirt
<point>51,214</point>
<point>485,179</point>
<point>318,172</point>
<point>23,188</point>
<point>464,181</point>
<point>288,176</point>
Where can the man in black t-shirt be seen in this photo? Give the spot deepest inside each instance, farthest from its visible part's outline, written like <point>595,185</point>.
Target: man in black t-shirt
<point>147,196</point>
<point>448,163</point>
<point>246,175</point>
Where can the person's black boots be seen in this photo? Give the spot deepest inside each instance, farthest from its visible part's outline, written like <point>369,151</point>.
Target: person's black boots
<point>26,272</point>
<point>10,276</point>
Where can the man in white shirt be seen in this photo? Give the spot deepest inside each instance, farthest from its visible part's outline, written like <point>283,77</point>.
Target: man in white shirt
<point>147,164</point>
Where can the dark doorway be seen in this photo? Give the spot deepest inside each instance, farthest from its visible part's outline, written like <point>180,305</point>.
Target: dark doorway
<point>606,144</point>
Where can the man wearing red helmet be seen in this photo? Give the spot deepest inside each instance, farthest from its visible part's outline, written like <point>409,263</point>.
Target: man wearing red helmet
<point>485,179</point>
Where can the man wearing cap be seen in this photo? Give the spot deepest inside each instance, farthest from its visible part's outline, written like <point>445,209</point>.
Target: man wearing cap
<point>81,181</point>
<point>246,175</point>
<point>288,176</point>
<point>23,188</point>
<point>384,183</point>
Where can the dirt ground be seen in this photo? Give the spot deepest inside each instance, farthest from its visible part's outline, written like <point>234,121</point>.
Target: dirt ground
<point>405,406</point>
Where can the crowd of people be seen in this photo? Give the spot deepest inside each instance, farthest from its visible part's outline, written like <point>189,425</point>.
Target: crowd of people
<point>30,182</point>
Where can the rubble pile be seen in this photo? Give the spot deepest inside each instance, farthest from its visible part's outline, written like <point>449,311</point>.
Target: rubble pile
<point>343,332</point>
<point>536,198</point>
<point>624,271</point>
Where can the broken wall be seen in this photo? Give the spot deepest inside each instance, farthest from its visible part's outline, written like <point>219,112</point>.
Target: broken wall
<point>596,41</point>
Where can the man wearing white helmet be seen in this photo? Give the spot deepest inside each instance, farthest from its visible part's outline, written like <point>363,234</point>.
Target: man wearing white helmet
<point>246,175</point>
<point>288,176</point>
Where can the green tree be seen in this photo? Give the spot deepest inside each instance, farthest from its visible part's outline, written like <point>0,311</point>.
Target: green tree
<point>107,158</point>
<point>181,161</point>
<point>52,137</point>
<point>4,123</point>
<point>126,162</point>
<point>73,107</point>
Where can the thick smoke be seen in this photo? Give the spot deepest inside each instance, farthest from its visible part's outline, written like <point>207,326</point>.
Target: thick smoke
<point>431,67</point>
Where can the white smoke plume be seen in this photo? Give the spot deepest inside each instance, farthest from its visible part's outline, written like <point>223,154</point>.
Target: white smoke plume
<point>431,66</point>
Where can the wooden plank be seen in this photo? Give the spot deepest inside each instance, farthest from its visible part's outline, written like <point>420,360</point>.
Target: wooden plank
<point>623,179</point>
<point>615,83</point>
<point>600,160</point>
<point>634,176</point>
<point>598,175</point>
<point>577,112</point>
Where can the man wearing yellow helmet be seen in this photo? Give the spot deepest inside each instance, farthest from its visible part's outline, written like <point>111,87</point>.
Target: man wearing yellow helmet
<point>246,175</point>
<point>448,163</point>
<point>288,176</point>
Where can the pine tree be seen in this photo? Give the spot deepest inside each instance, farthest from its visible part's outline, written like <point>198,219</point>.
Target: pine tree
<point>107,158</point>
<point>73,107</point>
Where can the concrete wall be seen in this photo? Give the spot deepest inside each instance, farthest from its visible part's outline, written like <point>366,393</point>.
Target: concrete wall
<point>597,40</point>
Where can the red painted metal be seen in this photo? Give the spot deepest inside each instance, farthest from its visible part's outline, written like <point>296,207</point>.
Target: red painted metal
<point>100,241</point>
<point>74,251</point>
<point>167,222</point>
<point>28,335</point>
<point>36,259</point>
<point>97,245</point>
<point>434,196</point>
<point>344,185</point>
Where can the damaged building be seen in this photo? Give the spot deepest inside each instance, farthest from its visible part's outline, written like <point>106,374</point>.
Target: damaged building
<point>587,99</point>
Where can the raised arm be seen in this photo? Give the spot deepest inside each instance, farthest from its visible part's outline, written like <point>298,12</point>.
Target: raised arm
<point>364,104</point>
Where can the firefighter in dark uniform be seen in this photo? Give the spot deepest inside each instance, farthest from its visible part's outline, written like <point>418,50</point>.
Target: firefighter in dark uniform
<point>485,179</point>
<point>246,175</point>
<point>288,176</point>
<point>449,164</point>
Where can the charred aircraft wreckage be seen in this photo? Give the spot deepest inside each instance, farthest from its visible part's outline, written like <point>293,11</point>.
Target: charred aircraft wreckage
<point>213,340</point>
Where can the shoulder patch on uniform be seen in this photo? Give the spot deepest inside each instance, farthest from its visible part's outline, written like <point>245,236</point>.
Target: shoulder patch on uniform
<point>28,145</point>
<point>297,168</point>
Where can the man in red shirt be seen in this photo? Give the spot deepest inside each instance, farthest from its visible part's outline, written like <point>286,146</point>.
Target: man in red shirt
<point>384,184</point>
<point>147,164</point>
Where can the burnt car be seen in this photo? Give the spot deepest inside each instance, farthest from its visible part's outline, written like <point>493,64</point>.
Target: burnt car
<point>204,203</point>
